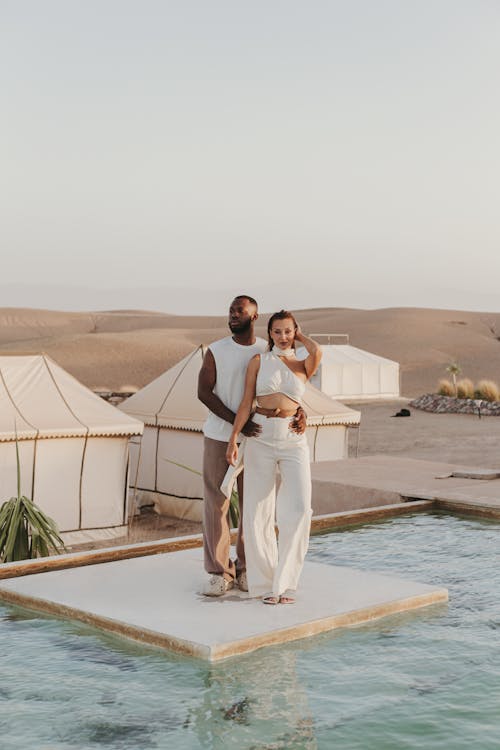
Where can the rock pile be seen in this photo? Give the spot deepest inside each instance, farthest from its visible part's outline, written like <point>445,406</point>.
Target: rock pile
<point>433,402</point>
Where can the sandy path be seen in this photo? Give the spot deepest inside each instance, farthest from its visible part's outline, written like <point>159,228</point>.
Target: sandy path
<point>454,438</point>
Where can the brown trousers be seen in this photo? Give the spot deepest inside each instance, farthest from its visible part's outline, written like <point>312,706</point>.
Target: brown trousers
<point>216,536</point>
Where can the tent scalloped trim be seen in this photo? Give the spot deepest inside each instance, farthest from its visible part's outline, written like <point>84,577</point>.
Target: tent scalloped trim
<point>313,422</point>
<point>24,435</point>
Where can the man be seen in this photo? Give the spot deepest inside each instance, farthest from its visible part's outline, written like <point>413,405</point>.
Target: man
<point>220,387</point>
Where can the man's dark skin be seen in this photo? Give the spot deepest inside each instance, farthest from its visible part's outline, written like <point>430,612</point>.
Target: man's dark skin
<point>242,317</point>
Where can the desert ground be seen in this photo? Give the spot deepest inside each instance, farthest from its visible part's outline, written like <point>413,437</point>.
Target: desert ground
<point>125,350</point>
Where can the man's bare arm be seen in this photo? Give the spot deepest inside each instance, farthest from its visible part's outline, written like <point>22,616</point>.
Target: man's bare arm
<point>206,385</point>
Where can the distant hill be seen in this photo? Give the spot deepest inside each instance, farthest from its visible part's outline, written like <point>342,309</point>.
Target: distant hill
<point>120,349</point>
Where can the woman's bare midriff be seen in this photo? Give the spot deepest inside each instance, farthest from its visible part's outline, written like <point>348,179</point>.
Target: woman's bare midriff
<point>277,401</point>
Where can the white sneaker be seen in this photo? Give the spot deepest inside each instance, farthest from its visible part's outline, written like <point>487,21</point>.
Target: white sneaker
<point>216,586</point>
<point>242,581</point>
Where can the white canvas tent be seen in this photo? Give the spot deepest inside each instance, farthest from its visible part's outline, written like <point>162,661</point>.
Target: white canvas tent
<point>166,464</point>
<point>73,448</point>
<point>353,374</point>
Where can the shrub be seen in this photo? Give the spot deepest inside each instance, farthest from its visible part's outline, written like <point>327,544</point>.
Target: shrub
<point>25,531</point>
<point>465,388</point>
<point>487,390</point>
<point>445,388</point>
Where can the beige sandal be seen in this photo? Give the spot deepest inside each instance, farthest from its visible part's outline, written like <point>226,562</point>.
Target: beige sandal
<point>287,597</point>
<point>270,599</point>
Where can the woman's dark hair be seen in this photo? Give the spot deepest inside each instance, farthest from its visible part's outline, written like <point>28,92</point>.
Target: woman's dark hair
<point>281,315</point>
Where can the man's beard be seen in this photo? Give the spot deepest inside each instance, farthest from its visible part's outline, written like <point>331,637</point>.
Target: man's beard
<point>241,327</point>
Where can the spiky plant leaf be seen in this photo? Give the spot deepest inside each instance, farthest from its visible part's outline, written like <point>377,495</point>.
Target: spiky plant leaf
<point>25,530</point>
<point>234,508</point>
<point>183,466</point>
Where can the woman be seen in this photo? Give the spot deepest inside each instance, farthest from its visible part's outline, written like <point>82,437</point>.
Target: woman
<point>276,379</point>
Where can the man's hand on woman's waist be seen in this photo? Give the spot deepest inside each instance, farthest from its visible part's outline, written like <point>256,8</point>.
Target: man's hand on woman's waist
<point>299,422</point>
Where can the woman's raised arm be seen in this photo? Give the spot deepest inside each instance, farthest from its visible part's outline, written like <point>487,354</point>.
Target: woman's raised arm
<point>314,353</point>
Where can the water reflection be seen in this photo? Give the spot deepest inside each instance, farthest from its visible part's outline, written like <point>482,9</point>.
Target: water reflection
<point>255,702</point>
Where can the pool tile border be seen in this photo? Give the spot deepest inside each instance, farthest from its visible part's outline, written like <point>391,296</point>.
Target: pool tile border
<point>175,544</point>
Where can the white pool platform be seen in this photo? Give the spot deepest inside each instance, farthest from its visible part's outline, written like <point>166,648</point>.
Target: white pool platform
<point>156,600</point>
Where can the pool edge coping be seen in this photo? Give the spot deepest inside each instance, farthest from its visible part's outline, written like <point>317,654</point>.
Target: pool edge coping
<point>176,544</point>
<point>215,653</point>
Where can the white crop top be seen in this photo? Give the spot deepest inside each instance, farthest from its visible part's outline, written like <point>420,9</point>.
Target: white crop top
<point>275,376</point>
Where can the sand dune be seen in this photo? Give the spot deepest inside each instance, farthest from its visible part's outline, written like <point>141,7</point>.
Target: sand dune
<point>128,348</point>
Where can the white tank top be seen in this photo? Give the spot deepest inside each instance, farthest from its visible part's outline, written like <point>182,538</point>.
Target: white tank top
<point>275,376</point>
<point>231,362</point>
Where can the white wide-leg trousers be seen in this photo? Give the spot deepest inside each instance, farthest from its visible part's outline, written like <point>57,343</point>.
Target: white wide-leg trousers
<point>274,565</point>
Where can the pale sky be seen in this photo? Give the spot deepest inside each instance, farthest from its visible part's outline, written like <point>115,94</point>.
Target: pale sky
<point>168,155</point>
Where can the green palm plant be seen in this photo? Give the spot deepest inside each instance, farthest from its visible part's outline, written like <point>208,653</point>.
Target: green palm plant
<point>454,369</point>
<point>25,531</point>
<point>234,503</point>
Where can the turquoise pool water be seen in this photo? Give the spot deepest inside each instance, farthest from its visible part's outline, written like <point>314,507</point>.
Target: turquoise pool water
<point>426,679</point>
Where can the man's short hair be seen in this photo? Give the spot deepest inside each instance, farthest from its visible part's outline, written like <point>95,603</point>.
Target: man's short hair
<point>247,296</point>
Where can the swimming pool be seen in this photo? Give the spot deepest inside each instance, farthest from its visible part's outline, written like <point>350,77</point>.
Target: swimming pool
<point>423,679</point>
